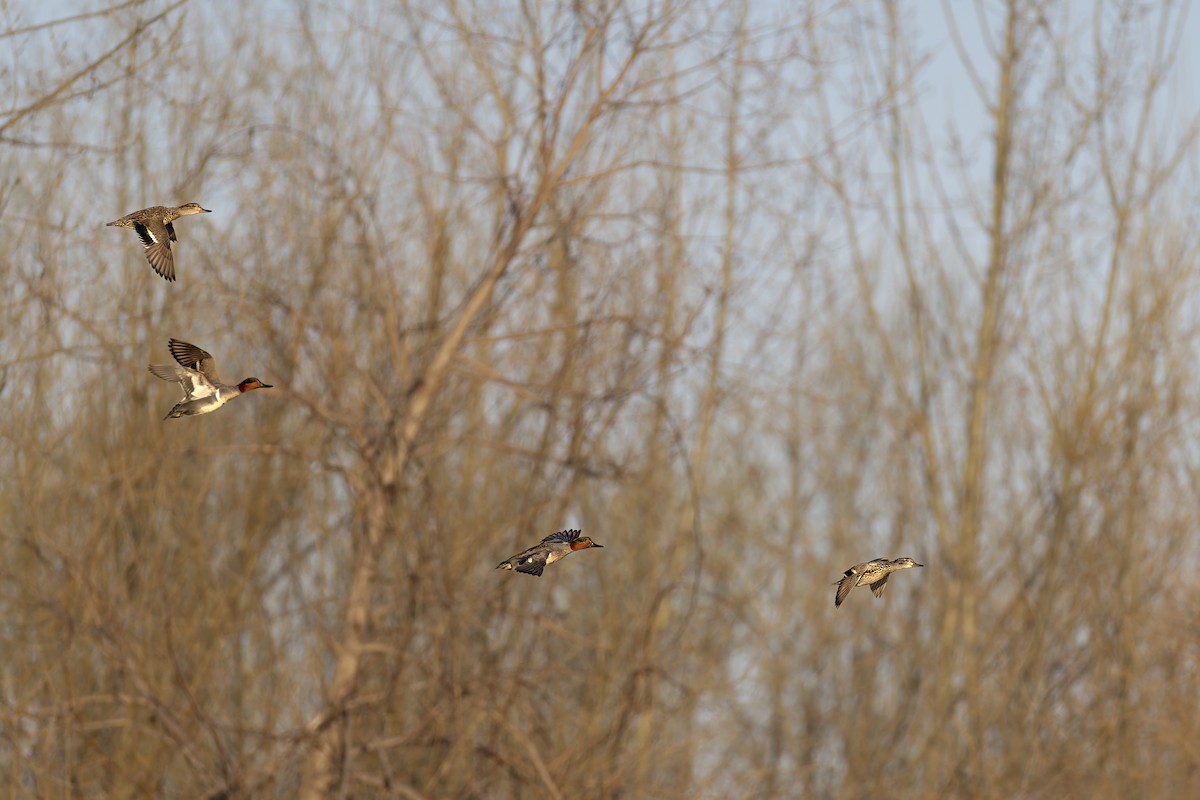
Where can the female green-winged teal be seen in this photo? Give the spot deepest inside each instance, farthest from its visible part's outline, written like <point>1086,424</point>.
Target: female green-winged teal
<point>872,573</point>
<point>202,389</point>
<point>554,547</point>
<point>154,228</point>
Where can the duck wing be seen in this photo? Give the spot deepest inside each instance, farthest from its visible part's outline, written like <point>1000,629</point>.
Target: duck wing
<point>844,586</point>
<point>531,564</point>
<point>191,357</point>
<point>193,383</point>
<point>156,238</point>
<point>566,537</point>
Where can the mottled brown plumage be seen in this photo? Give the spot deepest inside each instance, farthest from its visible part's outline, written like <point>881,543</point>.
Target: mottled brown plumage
<point>153,226</point>
<point>873,573</point>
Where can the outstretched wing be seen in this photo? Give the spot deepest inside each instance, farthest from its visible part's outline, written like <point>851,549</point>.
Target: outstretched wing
<point>877,586</point>
<point>156,238</point>
<point>532,564</point>
<point>192,357</point>
<point>844,586</point>
<point>563,536</point>
<point>193,383</point>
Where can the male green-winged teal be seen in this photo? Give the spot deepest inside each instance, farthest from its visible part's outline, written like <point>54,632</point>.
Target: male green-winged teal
<point>154,228</point>
<point>872,573</point>
<point>202,389</point>
<point>553,548</point>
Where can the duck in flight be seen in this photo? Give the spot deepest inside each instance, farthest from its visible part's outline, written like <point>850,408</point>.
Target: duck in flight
<point>554,547</point>
<point>196,373</point>
<point>873,573</point>
<point>153,226</point>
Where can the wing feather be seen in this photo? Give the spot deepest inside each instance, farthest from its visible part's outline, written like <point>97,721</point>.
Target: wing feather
<point>192,357</point>
<point>532,565</point>
<point>844,586</point>
<point>156,239</point>
<point>193,383</point>
<point>566,536</point>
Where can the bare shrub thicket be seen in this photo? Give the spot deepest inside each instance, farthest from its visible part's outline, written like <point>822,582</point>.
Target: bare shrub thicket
<point>713,282</point>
